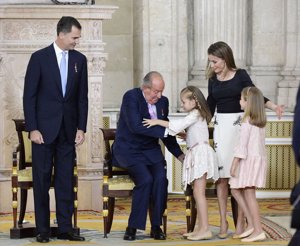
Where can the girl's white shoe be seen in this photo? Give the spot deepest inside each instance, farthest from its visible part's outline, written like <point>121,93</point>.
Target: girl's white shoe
<point>204,236</point>
<point>259,237</point>
<point>188,234</point>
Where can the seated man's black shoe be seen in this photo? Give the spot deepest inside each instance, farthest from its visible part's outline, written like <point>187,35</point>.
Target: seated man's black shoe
<point>70,236</point>
<point>157,234</point>
<point>42,238</point>
<point>129,234</point>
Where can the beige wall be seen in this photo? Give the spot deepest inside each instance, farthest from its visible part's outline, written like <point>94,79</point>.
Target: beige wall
<point>117,34</point>
<point>152,35</point>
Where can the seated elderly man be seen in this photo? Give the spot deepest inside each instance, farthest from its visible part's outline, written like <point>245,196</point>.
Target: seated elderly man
<point>137,149</point>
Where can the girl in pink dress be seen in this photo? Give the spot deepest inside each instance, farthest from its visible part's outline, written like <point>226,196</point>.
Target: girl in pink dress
<point>249,165</point>
<point>200,161</point>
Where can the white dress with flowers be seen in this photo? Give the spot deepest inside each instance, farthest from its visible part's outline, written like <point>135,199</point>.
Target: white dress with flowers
<point>200,157</point>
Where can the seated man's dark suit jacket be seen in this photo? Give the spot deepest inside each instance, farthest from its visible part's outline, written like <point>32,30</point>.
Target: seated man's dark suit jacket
<point>136,144</point>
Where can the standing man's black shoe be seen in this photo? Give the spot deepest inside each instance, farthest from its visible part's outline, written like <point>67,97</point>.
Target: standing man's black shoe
<point>129,234</point>
<point>157,234</point>
<point>42,238</point>
<point>70,236</point>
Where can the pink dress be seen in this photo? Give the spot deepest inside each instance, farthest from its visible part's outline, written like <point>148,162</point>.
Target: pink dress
<point>252,151</point>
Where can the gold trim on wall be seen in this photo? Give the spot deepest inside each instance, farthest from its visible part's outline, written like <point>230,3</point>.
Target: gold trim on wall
<point>106,122</point>
<point>279,129</point>
<point>177,172</point>
<point>282,173</point>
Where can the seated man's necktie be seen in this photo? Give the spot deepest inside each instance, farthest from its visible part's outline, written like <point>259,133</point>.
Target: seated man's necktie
<point>152,112</point>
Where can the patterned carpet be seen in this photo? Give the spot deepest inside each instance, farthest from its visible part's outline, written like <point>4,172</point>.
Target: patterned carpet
<point>91,225</point>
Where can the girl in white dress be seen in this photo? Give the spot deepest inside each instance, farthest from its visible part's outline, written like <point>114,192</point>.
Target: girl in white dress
<point>249,166</point>
<point>200,161</point>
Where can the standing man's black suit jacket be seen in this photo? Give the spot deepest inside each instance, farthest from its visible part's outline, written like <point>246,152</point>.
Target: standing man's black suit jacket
<point>44,105</point>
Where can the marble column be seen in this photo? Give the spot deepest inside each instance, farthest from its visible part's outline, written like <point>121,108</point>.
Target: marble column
<point>23,30</point>
<point>288,86</point>
<point>267,39</point>
<point>160,43</point>
<point>217,20</point>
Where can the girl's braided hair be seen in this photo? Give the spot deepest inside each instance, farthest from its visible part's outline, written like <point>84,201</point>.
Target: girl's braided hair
<point>194,93</point>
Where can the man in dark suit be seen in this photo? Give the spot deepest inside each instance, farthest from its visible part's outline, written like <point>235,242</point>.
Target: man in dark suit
<point>137,149</point>
<point>55,105</point>
<point>295,195</point>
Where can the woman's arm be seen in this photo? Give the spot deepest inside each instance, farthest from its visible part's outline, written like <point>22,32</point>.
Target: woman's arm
<point>278,109</point>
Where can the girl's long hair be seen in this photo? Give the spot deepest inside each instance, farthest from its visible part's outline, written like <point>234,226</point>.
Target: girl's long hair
<point>255,109</point>
<point>194,93</point>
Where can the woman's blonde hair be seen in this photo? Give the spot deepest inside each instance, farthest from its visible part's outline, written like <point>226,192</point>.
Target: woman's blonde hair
<point>194,93</point>
<point>255,109</point>
<point>222,50</point>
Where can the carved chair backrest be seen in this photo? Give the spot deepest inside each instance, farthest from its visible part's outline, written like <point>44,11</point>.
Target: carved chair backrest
<point>24,144</point>
<point>108,169</point>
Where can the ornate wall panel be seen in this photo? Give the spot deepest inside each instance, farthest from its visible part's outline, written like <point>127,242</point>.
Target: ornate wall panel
<point>27,28</point>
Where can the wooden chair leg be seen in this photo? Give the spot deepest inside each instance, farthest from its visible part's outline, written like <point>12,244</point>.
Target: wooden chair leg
<point>188,212</point>
<point>234,208</point>
<point>165,216</point>
<point>105,214</point>
<point>14,185</point>
<point>193,213</point>
<point>110,217</point>
<point>23,203</point>
<point>76,229</point>
<point>15,206</point>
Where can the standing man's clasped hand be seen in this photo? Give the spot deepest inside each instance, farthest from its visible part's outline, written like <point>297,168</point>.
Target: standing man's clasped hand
<point>79,138</point>
<point>36,137</point>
